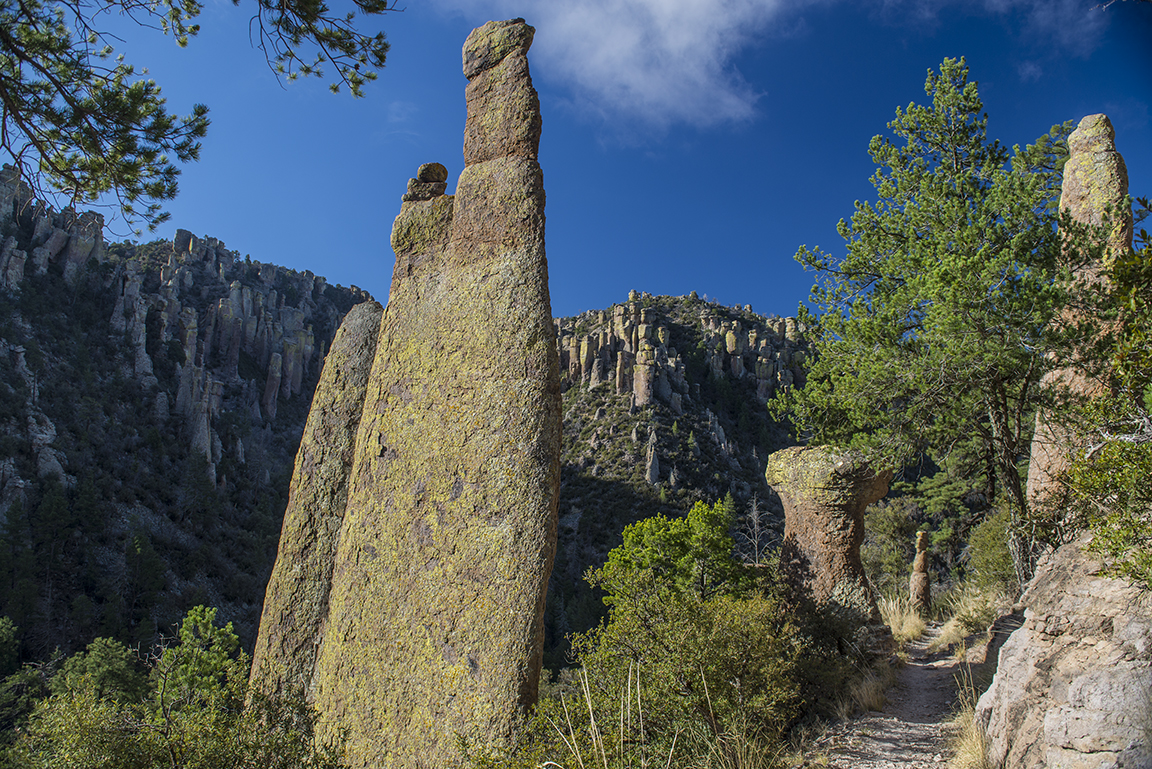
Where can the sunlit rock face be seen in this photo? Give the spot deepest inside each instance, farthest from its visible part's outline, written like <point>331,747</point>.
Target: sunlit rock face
<point>1094,191</point>
<point>434,620</point>
<point>1073,686</point>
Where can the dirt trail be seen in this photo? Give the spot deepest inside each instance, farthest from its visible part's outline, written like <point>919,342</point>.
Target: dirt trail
<point>909,733</point>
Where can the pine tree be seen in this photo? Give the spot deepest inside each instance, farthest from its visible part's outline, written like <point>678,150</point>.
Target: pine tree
<point>77,119</point>
<point>934,325</point>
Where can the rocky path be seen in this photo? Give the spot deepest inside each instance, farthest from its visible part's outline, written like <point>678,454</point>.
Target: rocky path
<point>909,733</point>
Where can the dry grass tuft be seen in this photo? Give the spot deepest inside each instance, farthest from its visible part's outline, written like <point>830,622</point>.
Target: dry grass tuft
<point>970,610</point>
<point>868,692</point>
<point>968,745</point>
<point>905,622</point>
<point>738,750</point>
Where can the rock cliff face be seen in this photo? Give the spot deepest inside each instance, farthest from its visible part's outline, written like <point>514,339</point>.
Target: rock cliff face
<point>824,495</point>
<point>434,616</point>
<point>1073,687</point>
<point>681,423</point>
<point>149,395</point>
<point>63,238</point>
<point>629,348</point>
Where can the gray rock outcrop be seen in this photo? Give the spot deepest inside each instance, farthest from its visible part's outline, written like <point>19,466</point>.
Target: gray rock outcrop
<point>1073,686</point>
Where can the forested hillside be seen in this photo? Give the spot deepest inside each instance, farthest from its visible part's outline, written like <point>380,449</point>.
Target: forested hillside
<point>153,398</point>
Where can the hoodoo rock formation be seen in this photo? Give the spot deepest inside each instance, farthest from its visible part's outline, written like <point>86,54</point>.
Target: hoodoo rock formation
<point>824,494</point>
<point>1093,193</point>
<point>434,623</point>
<point>296,604</point>
<point>919,585</point>
<point>629,348</point>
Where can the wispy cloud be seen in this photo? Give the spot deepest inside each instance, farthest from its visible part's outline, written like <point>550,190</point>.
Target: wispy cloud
<point>1029,71</point>
<point>1074,26</point>
<point>1065,26</point>
<point>638,65</point>
<point>656,61</point>
<point>401,111</point>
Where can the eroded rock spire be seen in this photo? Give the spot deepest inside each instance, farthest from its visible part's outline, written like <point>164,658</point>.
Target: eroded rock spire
<point>296,602</point>
<point>433,625</point>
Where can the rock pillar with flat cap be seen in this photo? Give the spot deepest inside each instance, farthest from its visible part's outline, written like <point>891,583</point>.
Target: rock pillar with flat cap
<point>435,616</point>
<point>824,493</point>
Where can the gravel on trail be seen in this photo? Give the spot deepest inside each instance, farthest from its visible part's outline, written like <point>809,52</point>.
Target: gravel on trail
<point>910,732</point>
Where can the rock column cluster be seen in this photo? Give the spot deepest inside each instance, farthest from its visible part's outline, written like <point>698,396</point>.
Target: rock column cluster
<point>64,237</point>
<point>433,625</point>
<point>629,348</point>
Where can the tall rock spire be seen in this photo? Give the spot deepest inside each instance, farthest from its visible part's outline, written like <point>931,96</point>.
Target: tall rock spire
<point>1093,193</point>
<point>296,603</point>
<point>434,620</point>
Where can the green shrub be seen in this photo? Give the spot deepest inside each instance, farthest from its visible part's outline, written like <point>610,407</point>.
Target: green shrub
<point>192,712</point>
<point>699,657</point>
<point>989,560</point>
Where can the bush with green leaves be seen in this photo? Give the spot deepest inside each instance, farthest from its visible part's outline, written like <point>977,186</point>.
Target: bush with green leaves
<point>188,711</point>
<point>989,559</point>
<point>700,654</point>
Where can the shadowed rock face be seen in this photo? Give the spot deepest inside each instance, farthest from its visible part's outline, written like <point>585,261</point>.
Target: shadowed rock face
<point>435,616</point>
<point>824,495</point>
<point>296,603</point>
<point>1095,183</point>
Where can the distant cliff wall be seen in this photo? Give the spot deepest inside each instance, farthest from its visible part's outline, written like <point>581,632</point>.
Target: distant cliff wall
<point>162,386</point>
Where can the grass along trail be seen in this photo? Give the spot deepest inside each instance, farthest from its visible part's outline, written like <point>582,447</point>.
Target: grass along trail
<point>910,732</point>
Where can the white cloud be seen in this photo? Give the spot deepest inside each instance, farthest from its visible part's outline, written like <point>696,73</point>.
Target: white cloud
<point>656,61</point>
<point>638,65</point>
<point>402,111</point>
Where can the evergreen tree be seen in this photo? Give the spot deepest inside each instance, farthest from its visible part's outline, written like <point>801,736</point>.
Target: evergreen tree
<point>78,119</point>
<point>934,325</point>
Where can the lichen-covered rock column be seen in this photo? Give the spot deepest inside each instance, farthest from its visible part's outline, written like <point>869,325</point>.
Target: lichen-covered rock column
<point>1093,193</point>
<point>435,625</point>
<point>296,602</point>
<point>824,494</point>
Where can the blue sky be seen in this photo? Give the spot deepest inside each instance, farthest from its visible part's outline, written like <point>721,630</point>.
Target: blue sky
<point>687,144</point>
